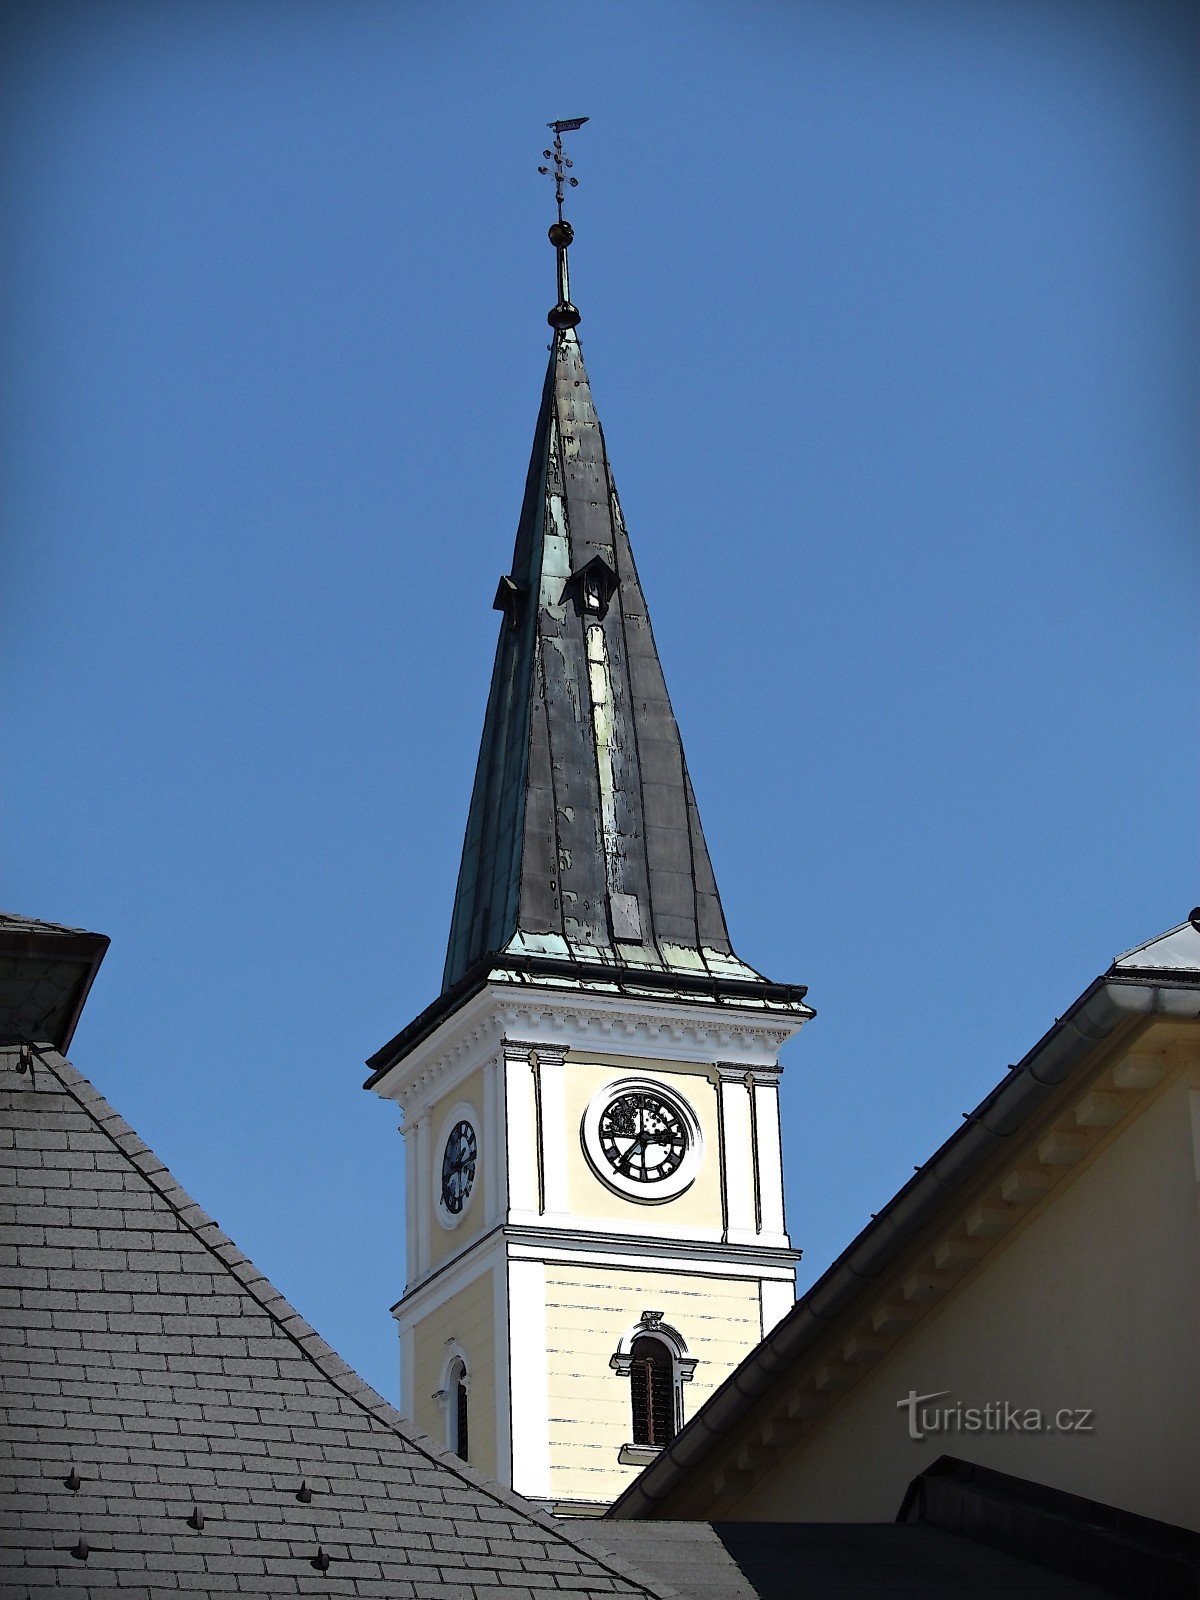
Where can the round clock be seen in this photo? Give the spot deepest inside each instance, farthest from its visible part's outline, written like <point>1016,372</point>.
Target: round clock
<point>458,1166</point>
<point>642,1136</point>
<point>642,1140</point>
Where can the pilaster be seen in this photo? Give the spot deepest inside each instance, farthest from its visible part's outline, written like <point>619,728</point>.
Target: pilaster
<point>523,1130</point>
<point>528,1378</point>
<point>495,1147</point>
<point>742,1188</point>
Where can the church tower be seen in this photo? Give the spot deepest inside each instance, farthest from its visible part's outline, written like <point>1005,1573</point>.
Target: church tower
<point>594,1189</point>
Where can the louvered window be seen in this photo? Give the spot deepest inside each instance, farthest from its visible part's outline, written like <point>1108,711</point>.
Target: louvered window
<point>652,1392</point>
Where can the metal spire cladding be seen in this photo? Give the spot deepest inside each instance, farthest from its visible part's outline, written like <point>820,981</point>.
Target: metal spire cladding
<point>583,841</point>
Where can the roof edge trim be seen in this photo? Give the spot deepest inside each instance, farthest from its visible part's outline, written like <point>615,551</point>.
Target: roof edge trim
<point>644,982</point>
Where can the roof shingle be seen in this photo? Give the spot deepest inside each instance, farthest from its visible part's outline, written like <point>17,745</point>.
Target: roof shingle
<point>144,1353</point>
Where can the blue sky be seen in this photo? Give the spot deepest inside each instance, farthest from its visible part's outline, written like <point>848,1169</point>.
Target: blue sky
<point>890,317</point>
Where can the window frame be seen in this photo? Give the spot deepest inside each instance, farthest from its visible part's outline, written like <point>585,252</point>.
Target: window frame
<point>682,1367</point>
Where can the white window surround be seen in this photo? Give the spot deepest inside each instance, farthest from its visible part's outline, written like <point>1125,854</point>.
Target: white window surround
<point>651,1326</point>
<point>461,1111</point>
<point>650,1194</point>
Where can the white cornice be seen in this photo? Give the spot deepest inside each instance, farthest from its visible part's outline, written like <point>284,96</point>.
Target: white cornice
<point>598,1024</point>
<point>613,1252</point>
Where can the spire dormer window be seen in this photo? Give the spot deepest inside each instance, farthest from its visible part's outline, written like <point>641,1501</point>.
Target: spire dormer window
<point>591,589</point>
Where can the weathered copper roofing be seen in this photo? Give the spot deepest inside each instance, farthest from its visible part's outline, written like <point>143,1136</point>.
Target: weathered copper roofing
<point>583,841</point>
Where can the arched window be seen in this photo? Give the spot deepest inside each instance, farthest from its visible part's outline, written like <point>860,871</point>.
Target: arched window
<point>654,1357</point>
<point>459,1437</point>
<point>453,1395</point>
<point>652,1392</point>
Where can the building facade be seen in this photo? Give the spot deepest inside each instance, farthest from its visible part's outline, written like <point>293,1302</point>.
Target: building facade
<point>1028,1303</point>
<point>595,1202</point>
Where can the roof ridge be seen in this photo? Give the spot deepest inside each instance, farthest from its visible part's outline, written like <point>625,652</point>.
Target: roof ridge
<point>17,923</point>
<point>209,1233</point>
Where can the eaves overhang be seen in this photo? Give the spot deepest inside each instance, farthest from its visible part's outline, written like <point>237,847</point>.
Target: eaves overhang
<point>46,975</point>
<point>1113,1001</point>
<point>557,977</point>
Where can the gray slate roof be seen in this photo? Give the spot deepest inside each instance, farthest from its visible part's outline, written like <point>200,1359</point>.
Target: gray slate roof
<point>829,1561</point>
<point>581,846</point>
<point>143,1352</point>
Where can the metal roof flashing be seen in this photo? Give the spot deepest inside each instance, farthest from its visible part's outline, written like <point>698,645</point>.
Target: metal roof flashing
<point>1176,951</point>
<point>745,998</point>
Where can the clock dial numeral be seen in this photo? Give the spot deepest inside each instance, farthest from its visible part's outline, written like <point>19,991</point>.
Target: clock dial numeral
<point>458,1167</point>
<point>643,1137</point>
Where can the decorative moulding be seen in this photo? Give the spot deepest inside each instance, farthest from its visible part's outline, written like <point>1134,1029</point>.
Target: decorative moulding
<point>683,1031</point>
<point>651,1325</point>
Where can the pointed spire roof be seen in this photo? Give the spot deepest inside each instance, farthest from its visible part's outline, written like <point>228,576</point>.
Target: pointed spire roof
<point>583,841</point>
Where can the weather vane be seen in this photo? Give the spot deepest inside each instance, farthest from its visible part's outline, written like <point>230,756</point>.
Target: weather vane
<point>564,315</point>
<point>560,160</point>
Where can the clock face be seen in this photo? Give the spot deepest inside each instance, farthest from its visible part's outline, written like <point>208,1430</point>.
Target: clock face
<point>642,1137</point>
<point>458,1167</point>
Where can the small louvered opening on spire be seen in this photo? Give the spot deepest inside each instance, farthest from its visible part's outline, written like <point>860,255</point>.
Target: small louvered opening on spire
<point>511,599</point>
<point>591,588</point>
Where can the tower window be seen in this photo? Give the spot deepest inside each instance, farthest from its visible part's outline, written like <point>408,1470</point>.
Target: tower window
<point>461,1441</point>
<point>654,1357</point>
<point>454,1396</point>
<point>652,1392</point>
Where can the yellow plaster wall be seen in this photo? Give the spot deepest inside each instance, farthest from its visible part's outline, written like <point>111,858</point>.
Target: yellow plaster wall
<point>587,1312</point>
<point>468,1320</point>
<point>1094,1303</point>
<point>447,1242</point>
<point>700,1205</point>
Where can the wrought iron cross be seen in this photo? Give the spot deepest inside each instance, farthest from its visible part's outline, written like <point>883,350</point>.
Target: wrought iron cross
<point>561,163</point>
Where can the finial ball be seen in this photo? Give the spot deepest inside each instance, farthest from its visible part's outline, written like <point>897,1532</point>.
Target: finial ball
<point>560,234</point>
<point>563,316</point>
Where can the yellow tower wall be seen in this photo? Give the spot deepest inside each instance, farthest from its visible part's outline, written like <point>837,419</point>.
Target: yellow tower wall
<point>588,1310</point>
<point>467,1321</point>
<point>700,1206</point>
<point>447,1242</point>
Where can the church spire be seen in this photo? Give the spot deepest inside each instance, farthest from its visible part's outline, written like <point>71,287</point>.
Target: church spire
<point>584,851</point>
